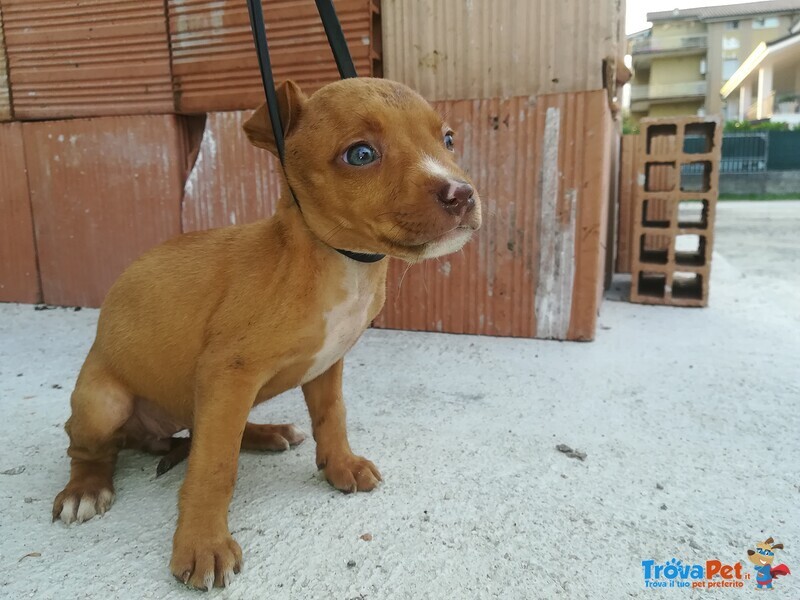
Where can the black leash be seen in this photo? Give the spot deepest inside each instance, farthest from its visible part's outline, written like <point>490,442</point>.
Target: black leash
<point>341,53</point>
<point>344,62</point>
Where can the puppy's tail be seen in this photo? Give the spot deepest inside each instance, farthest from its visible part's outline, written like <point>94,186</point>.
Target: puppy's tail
<point>178,452</point>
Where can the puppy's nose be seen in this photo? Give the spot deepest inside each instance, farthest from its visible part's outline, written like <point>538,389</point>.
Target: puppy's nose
<point>457,197</point>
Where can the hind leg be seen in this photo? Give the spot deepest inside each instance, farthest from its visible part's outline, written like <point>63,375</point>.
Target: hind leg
<point>270,437</point>
<point>258,437</point>
<point>100,407</point>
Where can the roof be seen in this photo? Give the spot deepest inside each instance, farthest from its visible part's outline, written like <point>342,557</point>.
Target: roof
<point>643,33</point>
<point>728,11</point>
<point>751,63</point>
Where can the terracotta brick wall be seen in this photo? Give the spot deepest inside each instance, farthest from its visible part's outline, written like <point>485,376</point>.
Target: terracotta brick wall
<point>89,195</point>
<point>104,191</point>
<point>19,276</point>
<point>70,58</point>
<point>543,169</point>
<point>214,64</point>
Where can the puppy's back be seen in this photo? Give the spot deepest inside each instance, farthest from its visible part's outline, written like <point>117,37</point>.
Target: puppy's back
<point>153,323</point>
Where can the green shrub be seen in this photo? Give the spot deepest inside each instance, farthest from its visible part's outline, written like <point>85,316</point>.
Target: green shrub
<point>629,125</point>
<point>743,126</point>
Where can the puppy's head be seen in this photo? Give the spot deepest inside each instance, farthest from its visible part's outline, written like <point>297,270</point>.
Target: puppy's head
<point>373,168</point>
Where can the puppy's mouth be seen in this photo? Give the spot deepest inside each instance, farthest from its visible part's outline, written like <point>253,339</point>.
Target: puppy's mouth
<point>416,236</point>
<point>457,231</point>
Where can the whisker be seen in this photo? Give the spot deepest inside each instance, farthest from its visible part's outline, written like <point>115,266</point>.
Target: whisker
<point>425,281</point>
<point>402,277</point>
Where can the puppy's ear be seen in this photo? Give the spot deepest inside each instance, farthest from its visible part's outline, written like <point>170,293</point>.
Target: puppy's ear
<point>258,127</point>
<point>777,546</point>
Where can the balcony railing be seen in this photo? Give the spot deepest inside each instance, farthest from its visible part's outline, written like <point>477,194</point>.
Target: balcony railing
<point>767,108</point>
<point>669,43</point>
<point>661,91</point>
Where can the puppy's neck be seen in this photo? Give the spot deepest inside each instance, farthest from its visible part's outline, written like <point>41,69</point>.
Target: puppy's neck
<point>290,220</point>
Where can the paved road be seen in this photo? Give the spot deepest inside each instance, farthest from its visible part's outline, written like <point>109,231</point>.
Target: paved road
<point>762,240</point>
<point>689,420</point>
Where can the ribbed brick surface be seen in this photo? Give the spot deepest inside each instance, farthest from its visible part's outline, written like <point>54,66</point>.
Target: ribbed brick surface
<point>536,268</point>
<point>71,58</point>
<point>454,49</point>
<point>104,191</point>
<point>5,97</point>
<point>231,181</point>
<point>214,61</point>
<point>19,279</point>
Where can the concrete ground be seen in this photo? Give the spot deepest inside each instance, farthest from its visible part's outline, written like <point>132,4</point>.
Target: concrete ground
<point>689,419</point>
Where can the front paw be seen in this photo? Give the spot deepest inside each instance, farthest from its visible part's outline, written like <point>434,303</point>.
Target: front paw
<point>351,473</point>
<point>82,500</point>
<point>203,561</point>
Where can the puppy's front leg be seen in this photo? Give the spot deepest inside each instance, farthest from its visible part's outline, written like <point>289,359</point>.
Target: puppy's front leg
<point>343,469</point>
<point>203,552</point>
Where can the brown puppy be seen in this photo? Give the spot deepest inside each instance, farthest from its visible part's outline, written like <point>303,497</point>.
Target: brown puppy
<point>204,327</point>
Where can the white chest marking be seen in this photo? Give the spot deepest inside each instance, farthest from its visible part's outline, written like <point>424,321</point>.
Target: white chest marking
<point>345,322</point>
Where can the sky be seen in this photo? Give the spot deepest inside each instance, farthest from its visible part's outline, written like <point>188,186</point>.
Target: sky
<point>636,17</point>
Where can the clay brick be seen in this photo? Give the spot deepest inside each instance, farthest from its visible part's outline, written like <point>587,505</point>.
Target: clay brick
<point>663,271</point>
<point>104,191</point>
<point>214,62</point>
<point>70,58</point>
<point>452,49</point>
<point>536,268</point>
<point>627,177</point>
<point>5,95</point>
<point>232,181</point>
<point>506,281</point>
<point>612,235</point>
<point>19,276</point>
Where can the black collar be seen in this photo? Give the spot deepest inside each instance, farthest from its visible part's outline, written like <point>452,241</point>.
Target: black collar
<point>361,256</point>
<point>344,62</point>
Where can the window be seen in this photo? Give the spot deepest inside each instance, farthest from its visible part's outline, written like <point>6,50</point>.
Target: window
<point>729,66</point>
<point>766,23</point>
<point>732,25</point>
<point>730,43</point>
<point>730,110</point>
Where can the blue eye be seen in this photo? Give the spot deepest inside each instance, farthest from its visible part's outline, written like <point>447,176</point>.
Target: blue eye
<point>360,154</point>
<point>449,143</point>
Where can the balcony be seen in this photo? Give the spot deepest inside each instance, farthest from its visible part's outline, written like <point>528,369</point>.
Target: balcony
<point>669,91</point>
<point>672,44</point>
<point>767,108</point>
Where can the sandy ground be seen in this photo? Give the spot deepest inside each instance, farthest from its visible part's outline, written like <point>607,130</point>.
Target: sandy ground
<point>689,419</point>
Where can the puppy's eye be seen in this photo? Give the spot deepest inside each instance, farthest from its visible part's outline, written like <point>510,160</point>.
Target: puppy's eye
<point>360,154</point>
<point>449,142</point>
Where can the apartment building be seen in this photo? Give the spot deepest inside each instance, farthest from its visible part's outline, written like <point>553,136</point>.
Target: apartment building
<point>681,62</point>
